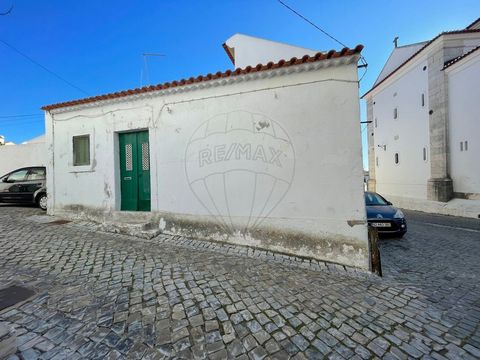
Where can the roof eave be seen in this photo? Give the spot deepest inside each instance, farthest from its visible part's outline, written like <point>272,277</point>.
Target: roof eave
<point>455,32</point>
<point>229,74</point>
<point>460,59</point>
<point>229,52</point>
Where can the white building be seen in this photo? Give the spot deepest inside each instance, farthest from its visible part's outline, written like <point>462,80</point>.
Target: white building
<point>423,108</point>
<point>463,78</point>
<point>30,153</point>
<point>244,50</point>
<point>267,156</point>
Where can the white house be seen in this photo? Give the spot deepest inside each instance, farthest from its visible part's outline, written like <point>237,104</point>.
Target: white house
<point>267,156</point>
<point>244,50</point>
<point>30,153</point>
<point>423,108</point>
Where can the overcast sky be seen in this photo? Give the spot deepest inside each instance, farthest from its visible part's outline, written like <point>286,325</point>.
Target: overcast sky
<point>97,45</point>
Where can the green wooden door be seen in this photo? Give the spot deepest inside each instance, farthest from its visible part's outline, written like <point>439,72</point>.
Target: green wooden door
<point>135,171</point>
<point>143,161</point>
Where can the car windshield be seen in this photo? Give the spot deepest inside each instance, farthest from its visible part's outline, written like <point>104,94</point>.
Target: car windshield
<point>374,199</point>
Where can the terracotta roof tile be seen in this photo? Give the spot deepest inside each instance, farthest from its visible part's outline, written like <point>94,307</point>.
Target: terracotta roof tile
<point>464,31</point>
<point>201,78</point>
<point>458,58</point>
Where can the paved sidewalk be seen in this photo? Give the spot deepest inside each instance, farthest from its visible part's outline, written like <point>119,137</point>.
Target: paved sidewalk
<point>110,296</point>
<point>454,207</point>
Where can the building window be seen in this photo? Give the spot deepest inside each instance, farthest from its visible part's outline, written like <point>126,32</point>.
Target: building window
<point>423,100</point>
<point>461,145</point>
<point>466,145</point>
<point>376,122</point>
<point>397,160</point>
<point>376,160</point>
<point>81,150</point>
<point>395,113</point>
<point>424,154</point>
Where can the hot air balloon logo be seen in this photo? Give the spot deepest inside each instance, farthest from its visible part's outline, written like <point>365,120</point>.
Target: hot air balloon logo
<point>240,166</point>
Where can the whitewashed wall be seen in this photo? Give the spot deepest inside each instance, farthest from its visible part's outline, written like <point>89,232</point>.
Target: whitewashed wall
<point>464,124</point>
<point>407,135</point>
<point>16,156</point>
<point>250,50</point>
<point>322,215</point>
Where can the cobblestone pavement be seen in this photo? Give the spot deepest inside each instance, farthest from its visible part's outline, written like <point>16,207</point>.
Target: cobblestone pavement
<point>110,296</point>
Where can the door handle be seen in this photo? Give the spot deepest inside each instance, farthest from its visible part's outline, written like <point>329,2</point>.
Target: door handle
<point>127,178</point>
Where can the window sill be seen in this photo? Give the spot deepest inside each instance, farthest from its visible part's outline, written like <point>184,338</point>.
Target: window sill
<point>81,169</point>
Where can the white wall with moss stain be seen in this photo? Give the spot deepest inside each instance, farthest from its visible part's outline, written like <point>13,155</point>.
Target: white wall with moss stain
<point>320,215</point>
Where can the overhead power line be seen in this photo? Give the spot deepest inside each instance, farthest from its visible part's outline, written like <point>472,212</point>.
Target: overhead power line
<point>24,124</point>
<point>311,23</point>
<point>20,116</point>
<point>43,67</point>
<point>365,64</point>
<point>22,121</point>
<point>8,11</point>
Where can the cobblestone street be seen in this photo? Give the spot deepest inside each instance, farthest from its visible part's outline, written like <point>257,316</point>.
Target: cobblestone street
<point>101,295</point>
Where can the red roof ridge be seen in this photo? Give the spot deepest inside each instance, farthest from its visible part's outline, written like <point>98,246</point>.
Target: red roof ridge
<point>452,32</point>
<point>458,58</point>
<point>201,78</point>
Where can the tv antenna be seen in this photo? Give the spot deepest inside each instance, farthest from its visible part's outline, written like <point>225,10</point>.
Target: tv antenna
<point>144,73</point>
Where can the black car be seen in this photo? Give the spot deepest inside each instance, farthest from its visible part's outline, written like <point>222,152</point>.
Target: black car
<point>386,218</point>
<point>25,185</point>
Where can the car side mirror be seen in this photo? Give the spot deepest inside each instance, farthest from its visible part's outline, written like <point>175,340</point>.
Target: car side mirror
<point>5,179</point>
<point>389,203</point>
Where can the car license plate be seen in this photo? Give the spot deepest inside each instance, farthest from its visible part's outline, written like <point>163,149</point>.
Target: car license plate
<point>378,224</point>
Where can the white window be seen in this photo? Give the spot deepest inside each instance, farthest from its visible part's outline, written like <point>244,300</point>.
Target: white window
<point>423,100</point>
<point>376,122</point>
<point>466,145</point>
<point>81,150</point>
<point>461,145</point>
<point>424,154</point>
<point>376,160</point>
<point>397,159</point>
<point>395,113</point>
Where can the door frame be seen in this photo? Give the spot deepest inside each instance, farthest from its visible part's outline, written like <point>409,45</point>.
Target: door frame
<point>117,170</point>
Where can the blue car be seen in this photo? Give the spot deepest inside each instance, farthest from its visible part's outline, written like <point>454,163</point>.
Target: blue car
<point>383,216</point>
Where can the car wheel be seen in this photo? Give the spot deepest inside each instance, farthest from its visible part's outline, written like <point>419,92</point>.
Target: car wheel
<point>42,201</point>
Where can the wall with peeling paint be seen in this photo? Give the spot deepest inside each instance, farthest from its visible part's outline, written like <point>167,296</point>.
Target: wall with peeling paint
<point>310,114</point>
